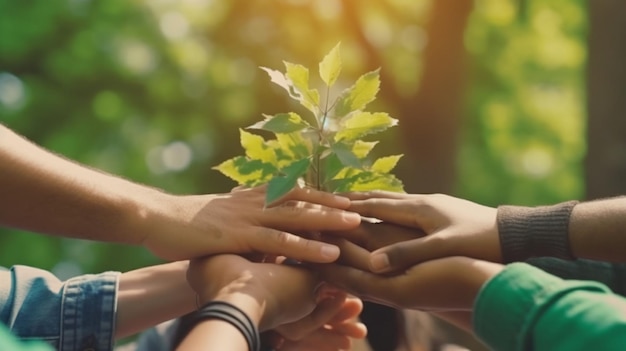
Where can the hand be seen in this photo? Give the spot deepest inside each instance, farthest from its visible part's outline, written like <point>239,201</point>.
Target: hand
<point>271,294</point>
<point>239,222</point>
<point>452,227</point>
<point>328,328</point>
<point>442,284</point>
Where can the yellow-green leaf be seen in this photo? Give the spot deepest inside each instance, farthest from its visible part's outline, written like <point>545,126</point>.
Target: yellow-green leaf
<point>362,148</point>
<point>294,145</point>
<point>330,67</point>
<point>256,147</point>
<point>362,123</point>
<point>282,123</point>
<point>385,164</point>
<point>245,171</point>
<point>359,95</point>
<point>366,181</point>
<point>299,77</point>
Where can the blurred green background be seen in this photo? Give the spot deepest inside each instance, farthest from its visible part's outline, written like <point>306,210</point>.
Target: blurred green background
<point>490,94</point>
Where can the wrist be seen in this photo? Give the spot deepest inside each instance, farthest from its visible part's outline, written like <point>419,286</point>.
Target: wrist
<point>158,220</point>
<point>527,232</point>
<point>240,293</point>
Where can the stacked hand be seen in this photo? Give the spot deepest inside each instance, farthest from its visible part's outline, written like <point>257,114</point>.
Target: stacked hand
<point>239,222</point>
<point>288,299</point>
<point>430,252</point>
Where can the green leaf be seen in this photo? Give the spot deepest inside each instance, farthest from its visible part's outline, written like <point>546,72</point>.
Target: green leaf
<point>385,164</point>
<point>330,67</point>
<point>359,95</point>
<point>345,155</point>
<point>367,181</point>
<point>332,166</point>
<point>361,123</point>
<point>294,145</point>
<point>348,172</point>
<point>256,147</point>
<point>362,148</point>
<point>245,171</point>
<point>281,185</point>
<point>282,123</point>
<point>299,77</point>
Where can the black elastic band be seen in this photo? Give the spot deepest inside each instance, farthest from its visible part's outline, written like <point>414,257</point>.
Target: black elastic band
<point>226,312</point>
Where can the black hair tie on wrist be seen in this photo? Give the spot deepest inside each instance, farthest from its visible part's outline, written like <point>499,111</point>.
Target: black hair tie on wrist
<point>223,311</point>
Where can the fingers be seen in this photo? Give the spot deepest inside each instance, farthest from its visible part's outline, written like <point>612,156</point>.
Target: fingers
<point>357,282</point>
<point>406,254</point>
<point>397,211</point>
<point>304,217</point>
<point>324,311</point>
<point>350,254</point>
<point>316,197</point>
<point>350,329</point>
<point>280,243</point>
<point>351,308</point>
<point>376,194</point>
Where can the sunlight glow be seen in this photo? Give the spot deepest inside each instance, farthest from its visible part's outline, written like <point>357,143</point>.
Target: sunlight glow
<point>174,25</point>
<point>137,57</point>
<point>12,94</point>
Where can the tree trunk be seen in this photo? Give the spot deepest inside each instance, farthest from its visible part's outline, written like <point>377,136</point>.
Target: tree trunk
<point>606,89</point>
<point>431,121</point>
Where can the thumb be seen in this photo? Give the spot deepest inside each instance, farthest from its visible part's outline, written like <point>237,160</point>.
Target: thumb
<point>406,254</point>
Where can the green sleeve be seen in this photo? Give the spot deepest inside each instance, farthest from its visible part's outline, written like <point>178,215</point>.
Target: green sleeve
<point>525,308</point>
<point>9,342</point>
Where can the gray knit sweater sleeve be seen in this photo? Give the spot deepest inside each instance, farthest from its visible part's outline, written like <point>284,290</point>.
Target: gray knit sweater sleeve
<point>527,232</point>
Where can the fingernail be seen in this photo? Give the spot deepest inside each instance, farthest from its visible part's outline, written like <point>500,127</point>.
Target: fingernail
<point>379,262</point>
<point>330,251</point>
<point>342,201</point>
<point>351,217</point>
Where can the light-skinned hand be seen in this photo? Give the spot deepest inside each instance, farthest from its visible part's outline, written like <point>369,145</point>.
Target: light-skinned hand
<point>239,222</point>
<point>330,327</point>
<point>271,294</point>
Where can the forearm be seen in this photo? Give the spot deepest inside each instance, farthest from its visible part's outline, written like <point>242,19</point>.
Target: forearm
<point>598,230</point>
<point>46,193</point>
<point>151,295</point>
<point>215,334</point>
<point>527,232</point>
<point>593,230</point>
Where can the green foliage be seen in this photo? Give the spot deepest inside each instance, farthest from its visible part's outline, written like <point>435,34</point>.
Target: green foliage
<point>115,84</point>
<point>327,155</point>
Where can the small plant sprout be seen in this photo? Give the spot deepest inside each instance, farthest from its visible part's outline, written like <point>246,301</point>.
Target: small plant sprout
<point>325,152</point>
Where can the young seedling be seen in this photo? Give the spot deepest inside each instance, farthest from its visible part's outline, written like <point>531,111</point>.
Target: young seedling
<point>326,152</point>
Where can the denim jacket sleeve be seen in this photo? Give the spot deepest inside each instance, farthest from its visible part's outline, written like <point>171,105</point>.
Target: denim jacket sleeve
<point>77,314</point>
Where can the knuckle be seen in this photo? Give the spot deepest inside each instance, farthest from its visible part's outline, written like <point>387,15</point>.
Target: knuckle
<point>398,255</point>
<point>282,238</point>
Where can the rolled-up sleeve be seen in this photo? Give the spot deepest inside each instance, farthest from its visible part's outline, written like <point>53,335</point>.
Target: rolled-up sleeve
<point>76,314</point>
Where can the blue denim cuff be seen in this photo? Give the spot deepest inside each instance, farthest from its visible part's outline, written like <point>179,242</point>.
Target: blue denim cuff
<point>78,314</point>
<point>88,314</point>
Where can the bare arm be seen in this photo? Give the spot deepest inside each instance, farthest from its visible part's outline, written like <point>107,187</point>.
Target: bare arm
<point>151,295</point>
<point>43,192</point>
<point>597,230</point>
